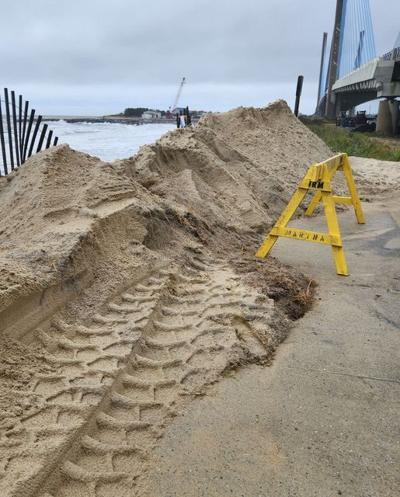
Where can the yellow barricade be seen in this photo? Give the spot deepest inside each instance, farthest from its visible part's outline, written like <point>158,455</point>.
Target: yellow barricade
<point>318,179</point>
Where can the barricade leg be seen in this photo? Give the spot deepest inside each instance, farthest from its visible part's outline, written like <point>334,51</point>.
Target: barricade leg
<point>334,230</point>
<point>313,204</point>
<point>353,191</point>
<point>282,222</point>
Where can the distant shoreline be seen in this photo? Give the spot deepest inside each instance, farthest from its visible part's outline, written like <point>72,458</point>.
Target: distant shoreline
<point>108,119</point>
<point>136,121</point>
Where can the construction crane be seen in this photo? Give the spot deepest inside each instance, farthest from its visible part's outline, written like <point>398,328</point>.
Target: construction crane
<point>178,95</point>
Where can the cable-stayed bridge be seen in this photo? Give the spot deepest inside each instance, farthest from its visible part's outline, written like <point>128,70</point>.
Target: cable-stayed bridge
<point>352,74</point>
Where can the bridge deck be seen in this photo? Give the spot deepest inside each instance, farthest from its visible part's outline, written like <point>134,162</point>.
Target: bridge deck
<point>365,74</point>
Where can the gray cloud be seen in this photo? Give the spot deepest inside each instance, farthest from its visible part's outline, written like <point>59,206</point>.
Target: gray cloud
<point>99,56</point>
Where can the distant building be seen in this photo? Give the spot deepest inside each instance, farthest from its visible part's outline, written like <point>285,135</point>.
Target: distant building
<point>148,115</point>
<point>198,113</point>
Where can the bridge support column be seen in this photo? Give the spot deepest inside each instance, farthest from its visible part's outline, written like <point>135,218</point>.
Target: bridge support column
<point>387,117</point>
<point>338,105</point>
<point>395,111</point>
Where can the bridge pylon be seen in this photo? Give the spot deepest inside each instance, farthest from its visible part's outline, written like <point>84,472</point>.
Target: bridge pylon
<point>330,108</point>
<point>352,46</point>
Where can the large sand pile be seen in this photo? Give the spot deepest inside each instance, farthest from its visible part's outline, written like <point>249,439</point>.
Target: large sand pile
<point>239,167</point>
<point>127,288</point>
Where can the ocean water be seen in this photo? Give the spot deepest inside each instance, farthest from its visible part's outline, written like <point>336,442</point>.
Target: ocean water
<point>108,141</point>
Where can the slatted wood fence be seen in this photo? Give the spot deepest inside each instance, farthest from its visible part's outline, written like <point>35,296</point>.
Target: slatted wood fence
<point>22,132</point>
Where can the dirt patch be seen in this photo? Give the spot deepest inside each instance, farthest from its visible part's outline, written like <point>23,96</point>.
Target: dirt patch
<point>291,291</point>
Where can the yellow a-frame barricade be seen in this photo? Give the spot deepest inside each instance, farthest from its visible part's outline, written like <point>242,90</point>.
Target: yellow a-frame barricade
<point>318,180</point>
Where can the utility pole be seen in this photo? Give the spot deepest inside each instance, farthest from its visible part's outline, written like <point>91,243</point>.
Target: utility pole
<point>330,110</point>
<point>324,42</point>
<point>299,90</point>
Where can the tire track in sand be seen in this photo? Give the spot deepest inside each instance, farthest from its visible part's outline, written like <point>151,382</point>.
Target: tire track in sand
<point>122,378</point>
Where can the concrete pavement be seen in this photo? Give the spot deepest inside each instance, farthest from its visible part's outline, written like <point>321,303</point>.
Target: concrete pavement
<point>323,420</point>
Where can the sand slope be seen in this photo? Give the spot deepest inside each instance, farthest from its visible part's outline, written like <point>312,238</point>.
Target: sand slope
<point>244,163</point>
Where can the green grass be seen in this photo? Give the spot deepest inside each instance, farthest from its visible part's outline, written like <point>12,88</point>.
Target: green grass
<point>358,144</point>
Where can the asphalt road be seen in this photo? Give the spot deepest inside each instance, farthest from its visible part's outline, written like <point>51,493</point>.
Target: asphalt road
<point>323,420</point>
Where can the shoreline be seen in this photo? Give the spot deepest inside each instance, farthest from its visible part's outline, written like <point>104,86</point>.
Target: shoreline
<point>113,120</point>
<point>107,119</point>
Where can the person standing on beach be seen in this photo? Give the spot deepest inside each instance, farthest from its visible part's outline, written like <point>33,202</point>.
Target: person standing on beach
<point>182,120</point>
<point>188,118</point>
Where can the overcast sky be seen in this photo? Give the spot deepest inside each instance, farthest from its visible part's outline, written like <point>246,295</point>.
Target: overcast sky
<point>84,57</point>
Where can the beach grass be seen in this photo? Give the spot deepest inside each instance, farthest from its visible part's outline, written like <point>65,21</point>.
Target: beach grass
<point>359,144</point>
